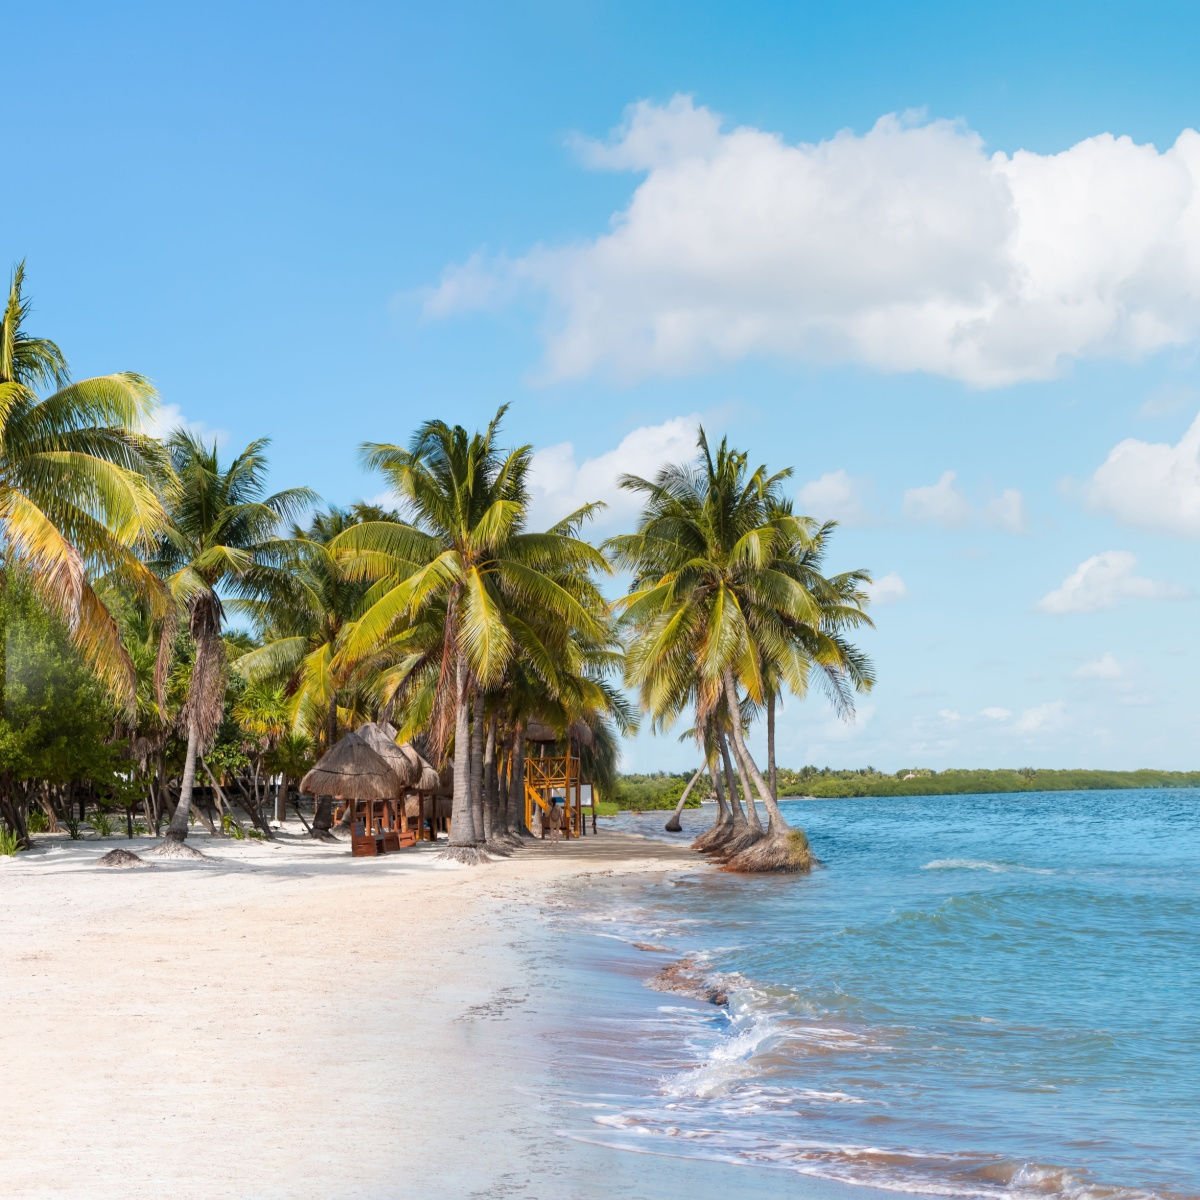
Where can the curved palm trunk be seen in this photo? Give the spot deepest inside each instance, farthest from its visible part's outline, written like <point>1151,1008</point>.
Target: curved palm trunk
<point>737,814</point>
<point>783,848</point>
<point>772,772</point>
<point>177,831</point>
<point>673,825</point>
<point>476,777</point>
<point>775,818</point>
<point>721,828</point>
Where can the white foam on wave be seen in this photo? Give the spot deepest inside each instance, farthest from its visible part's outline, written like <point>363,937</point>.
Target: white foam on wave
<point>983,864</point>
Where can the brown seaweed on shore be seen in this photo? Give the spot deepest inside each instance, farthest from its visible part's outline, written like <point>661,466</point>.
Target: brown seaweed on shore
<point>686,978</point>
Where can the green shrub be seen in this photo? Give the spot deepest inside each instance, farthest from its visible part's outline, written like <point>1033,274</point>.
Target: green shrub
<point>38,821</point>
<point>230,828</point>
<point>8,842</point>
<point>74,832</point>
<point>101,823</point>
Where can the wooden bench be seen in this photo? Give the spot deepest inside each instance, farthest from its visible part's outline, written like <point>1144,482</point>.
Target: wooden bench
<point>363,844</point>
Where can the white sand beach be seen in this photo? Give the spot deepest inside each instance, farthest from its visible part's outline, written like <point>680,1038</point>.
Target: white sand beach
<point>283,1021</point>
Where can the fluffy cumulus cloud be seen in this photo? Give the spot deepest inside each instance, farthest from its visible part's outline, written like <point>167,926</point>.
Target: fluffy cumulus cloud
<point>560,480</point>
<point>836,496</point>
<point>1152,485</point>
<point>907,247</point>
<point>1104,581</point>
<point>887,589</point>
<point>995,713</point>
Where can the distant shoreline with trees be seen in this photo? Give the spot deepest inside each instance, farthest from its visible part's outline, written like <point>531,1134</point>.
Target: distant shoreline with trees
<point>661,790</point>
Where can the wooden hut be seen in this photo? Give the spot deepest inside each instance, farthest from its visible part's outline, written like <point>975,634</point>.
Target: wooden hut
<point>553,768</point>
<point>366,787</point>
<point>418,779</point>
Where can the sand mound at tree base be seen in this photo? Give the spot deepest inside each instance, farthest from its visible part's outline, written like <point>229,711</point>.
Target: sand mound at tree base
<point>779,852</point>
<point>471,856</point>
<point>121,858</point>
<point>713,838</point>
<point>737,842</point>
<point>170,848</point>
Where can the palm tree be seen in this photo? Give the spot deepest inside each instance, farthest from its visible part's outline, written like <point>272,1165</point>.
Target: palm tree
<point>462,566</point>
<point>720,605</point>
<point>223,536</point>
<point>302,616</point>
<point>76,494</point>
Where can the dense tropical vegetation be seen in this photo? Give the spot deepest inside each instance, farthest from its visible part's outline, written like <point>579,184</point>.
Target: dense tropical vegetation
<point>172,629</point>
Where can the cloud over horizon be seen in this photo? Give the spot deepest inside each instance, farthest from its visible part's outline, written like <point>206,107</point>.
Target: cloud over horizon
<point>909,247</point>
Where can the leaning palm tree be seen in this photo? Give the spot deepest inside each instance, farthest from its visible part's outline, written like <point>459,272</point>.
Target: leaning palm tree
<point>715,596</point>
<point>77,499</point>
<point>464,557</point>
<point>223,536</point>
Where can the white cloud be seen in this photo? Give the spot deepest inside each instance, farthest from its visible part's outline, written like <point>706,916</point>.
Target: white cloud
<point>887,589</point>
<point>1168,398</point>
<point>559,482</point>
<point>941,503</point>
<point>995,713</point>
<point>166,418</point>
<point>951,716</point>
<point>1151,484</point>
<point>1103,581</point>
<point>835,496</point>
<point>1006,511</point>
<point>1104,667</point>
<point>1042,718</point>
<point>909,247</point>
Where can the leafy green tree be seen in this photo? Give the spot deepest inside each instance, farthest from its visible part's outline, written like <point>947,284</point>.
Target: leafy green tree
<point>223,536</point>
<point>76,493</point>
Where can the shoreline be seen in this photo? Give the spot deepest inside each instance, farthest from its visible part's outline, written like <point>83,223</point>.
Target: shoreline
<point>281,1021</point>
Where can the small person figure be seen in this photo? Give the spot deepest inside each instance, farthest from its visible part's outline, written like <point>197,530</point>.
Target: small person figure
<point>553,820</point>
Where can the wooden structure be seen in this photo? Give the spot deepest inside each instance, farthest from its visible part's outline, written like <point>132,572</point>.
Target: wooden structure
<point>553,768</point>
<point>371,777</point>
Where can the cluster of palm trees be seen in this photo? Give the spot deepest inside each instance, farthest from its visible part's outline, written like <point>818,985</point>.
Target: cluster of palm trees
<point>445,614</point>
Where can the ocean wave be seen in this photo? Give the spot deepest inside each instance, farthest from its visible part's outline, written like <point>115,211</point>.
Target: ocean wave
<point>983,864</point>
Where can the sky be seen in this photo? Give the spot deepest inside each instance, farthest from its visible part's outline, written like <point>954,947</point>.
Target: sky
<point>942,260</point>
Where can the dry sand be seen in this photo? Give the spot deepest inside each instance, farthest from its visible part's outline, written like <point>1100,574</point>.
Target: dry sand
<point>283,1021</point>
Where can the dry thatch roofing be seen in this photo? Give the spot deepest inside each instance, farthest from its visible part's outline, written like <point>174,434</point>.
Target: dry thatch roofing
<point>384,744</point>
<point>539,731</point>
<point>427,776</point>
<point>352,770</point>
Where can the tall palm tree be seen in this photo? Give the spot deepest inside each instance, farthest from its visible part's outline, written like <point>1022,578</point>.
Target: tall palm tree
<point>718,608</point>
<point>77,499</point>
<point>223,537</point>
<point>464,565</point>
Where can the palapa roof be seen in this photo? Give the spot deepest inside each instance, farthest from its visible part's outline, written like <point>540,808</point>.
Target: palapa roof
<point>540,731</point>
<point>428,779</point>
<point>384,744</point>
<point>354,771</point>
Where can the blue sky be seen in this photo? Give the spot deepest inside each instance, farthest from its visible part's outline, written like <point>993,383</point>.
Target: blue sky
<point>325,225</point>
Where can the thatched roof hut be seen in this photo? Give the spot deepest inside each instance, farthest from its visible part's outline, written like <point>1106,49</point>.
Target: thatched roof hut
<point>384,744</point>
<point>426,773</point>
<point>540,731</point>
<point>352,770</point>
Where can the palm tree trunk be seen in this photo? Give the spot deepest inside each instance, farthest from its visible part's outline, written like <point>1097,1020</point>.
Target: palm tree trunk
<point>464,842</point>
<point>673,825</point>
<point>737,814</point>
<point>776,824</point>
<point>516,786</point>
<point>772,773</point>
<point>477,736</point>
<point>177,831</point>
<point>492,828</point>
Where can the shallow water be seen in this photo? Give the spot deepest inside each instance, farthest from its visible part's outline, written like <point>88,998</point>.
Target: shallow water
<point>977,996</point>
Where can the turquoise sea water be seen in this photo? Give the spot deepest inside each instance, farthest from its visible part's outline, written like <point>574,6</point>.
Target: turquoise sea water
<point>976,996</point>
